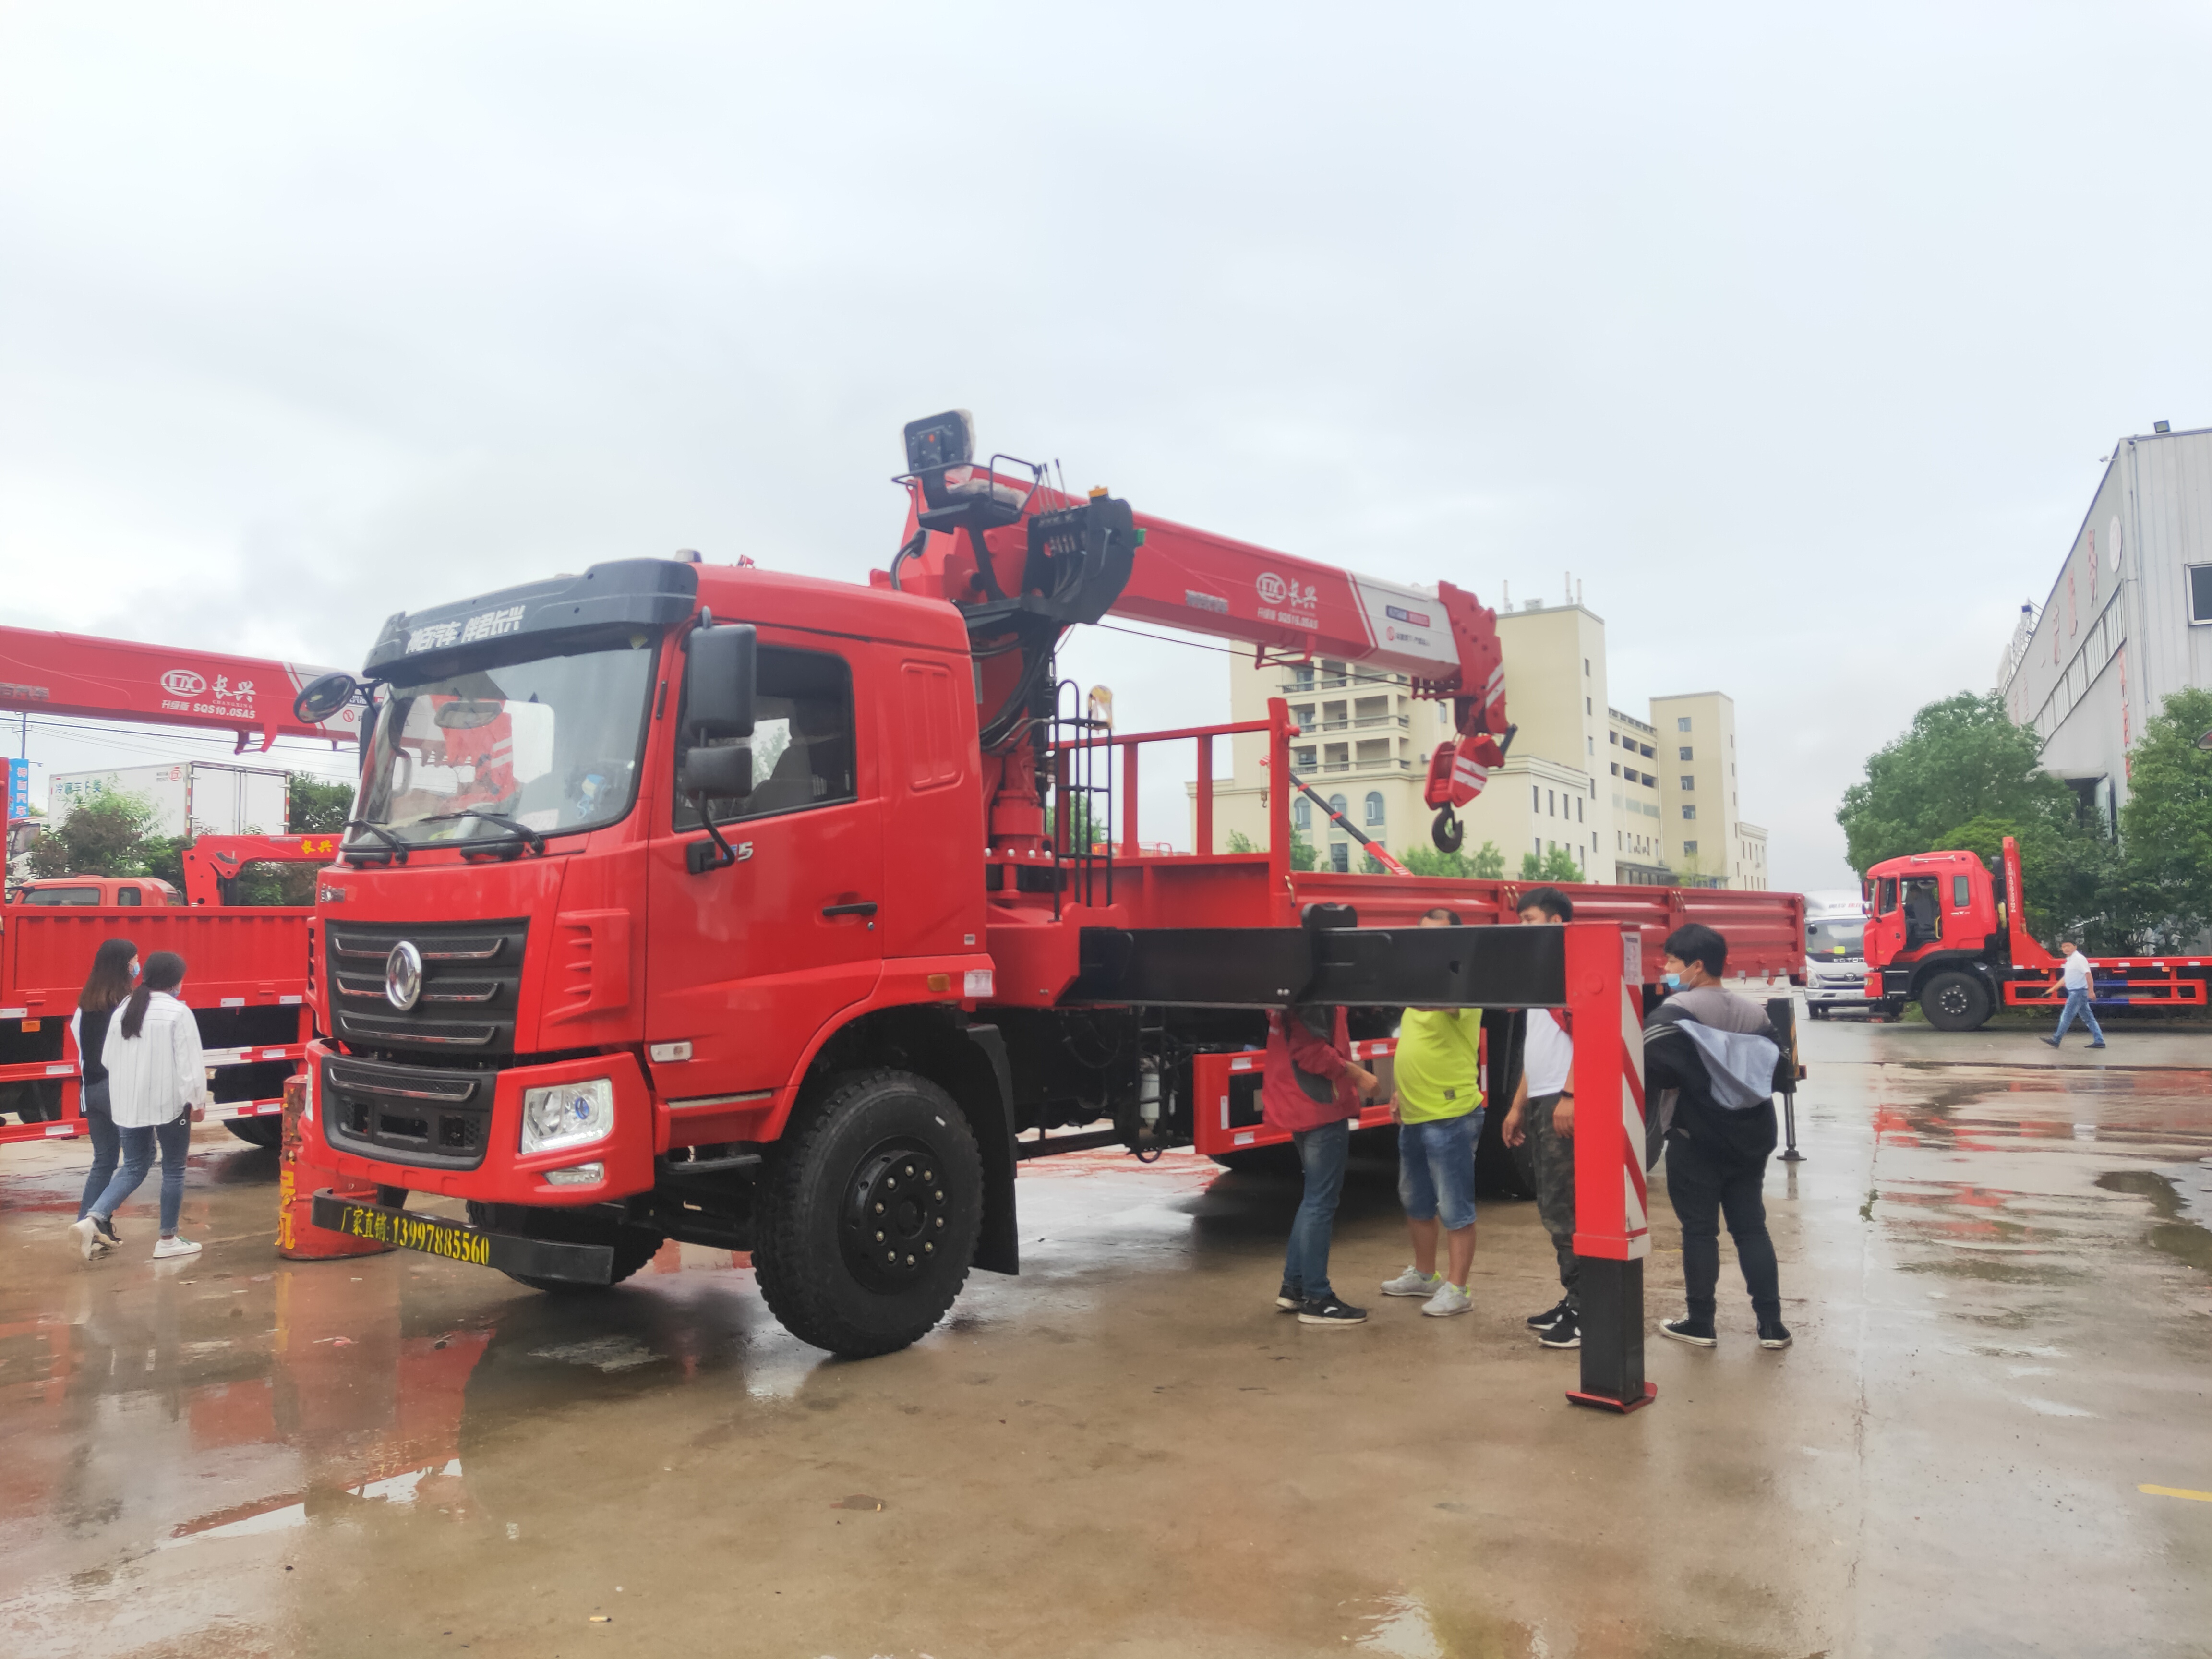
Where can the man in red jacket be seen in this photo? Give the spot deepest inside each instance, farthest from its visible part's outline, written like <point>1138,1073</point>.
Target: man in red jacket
<point>1312,1089</point>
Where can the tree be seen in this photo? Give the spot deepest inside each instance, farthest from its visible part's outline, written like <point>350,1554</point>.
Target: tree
<point>1557,867</point>
<point>1963,759</point>
<point>315,806</point>
<point>1486,863</point>
<point>109,835</point>
<point>2167,825</point>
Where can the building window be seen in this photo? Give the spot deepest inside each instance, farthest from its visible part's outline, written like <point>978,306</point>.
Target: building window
<point>1535,798</point>
<point>1689,847</point>
<point>1578,809</point>
<point>1336,805</point>
<point>1688,783</point>
<point>1587,709</point>
<point>1616,769</point>
<point>1301,813</point>
<point>1681,722</point>
<point>1592,744</point>
<point>1689,811</point>
<point>1340,858</point>
<point>1305,758</point>
<point>1374,809</point>
<point>1613,737</point>
<point>1685,751</point>
<point>1302,677</point>
<point>1645,749</point>
<point>1551,805</point>
<point>2200,592</point>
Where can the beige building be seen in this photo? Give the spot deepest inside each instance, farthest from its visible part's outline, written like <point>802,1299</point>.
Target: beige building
<point>1591,783</point>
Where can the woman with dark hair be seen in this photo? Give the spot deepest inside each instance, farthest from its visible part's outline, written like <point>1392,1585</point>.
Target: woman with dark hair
<point>114,967</point>
<point>157,1090</point>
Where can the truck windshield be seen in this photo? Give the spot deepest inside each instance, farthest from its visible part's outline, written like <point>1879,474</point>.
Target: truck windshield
<point>551,743</point>
<point>1844,937</point>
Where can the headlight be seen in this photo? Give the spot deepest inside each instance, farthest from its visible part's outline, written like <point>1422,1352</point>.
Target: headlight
<point>568,1114</point>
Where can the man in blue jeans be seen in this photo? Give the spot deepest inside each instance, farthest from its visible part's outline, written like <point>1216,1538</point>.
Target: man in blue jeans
<point>1437,1068</point>
<point>2079,988</point>
<point>1311,1088</point>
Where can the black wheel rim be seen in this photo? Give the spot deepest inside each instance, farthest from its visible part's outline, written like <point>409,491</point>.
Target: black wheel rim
<point>896,1214</point>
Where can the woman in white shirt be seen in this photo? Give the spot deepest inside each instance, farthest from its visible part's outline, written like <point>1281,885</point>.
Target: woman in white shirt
<point>157,1090</point>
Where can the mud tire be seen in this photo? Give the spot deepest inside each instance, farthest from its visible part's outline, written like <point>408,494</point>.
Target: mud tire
<point>812,1262</point>
<point>263,1131</point>
<point>1955,1002</point>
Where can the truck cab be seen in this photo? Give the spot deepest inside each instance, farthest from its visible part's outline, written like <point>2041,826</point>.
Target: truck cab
<point>98,890</point>
<point>1935,934</point>
<point>1835,953</point>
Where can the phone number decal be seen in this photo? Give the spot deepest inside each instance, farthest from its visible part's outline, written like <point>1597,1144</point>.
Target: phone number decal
<point>427,1236</point>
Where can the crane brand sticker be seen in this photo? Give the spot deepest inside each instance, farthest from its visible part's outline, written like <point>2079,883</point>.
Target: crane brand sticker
<point>191,694</point>
<point>484,625</point>
<point>1274,590</point>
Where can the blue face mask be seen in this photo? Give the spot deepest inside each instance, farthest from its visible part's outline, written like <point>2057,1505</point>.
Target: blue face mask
<point>1673,982</point>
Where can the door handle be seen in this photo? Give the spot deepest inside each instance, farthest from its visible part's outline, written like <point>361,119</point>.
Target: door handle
<point>864,907</point>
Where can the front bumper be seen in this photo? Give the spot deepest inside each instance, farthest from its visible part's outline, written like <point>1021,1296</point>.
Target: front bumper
<point>458,1133</point>
<point>457,1241</point>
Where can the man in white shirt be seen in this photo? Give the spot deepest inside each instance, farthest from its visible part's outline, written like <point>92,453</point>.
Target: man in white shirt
<point>1543,1114</point>
<point>2078,991</point>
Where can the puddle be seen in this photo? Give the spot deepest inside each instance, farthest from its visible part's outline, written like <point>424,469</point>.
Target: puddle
<point>2176,1232</point>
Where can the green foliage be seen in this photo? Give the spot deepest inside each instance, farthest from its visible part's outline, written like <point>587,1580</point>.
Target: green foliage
<point>1302,855</point>
<point>1241,842</point>
<point>315,806</point>
<point>2167,821</point>
<point>1557,867</point>
<point>1486,863</point>
<point>1963,759</point>
<point>109,835</point>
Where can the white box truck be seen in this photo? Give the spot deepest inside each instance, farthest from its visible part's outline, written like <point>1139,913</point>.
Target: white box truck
<point>213,800</point>
<point>1835,953</point>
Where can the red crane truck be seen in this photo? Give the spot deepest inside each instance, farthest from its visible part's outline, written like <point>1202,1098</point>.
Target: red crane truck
<point>248,983</point>
<point>711,903</point>
<point>1948,932</point>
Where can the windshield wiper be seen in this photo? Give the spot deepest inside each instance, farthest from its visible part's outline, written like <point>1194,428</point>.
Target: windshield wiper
<point>531,838</point>
<point>398,852</point>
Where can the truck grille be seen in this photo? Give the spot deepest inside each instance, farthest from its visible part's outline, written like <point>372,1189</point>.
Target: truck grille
<point>437,1118</point>
<point>471,976</point>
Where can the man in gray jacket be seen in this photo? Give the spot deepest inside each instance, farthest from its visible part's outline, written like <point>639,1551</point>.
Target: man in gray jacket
<point>1709,1065</point>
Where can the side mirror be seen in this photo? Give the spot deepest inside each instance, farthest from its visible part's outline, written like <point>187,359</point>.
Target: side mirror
<point>323,696</point>
<point>719,676</point>
<point>725,774</point>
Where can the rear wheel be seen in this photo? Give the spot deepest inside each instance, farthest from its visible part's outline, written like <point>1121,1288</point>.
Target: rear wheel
<point>263,1131</point>
<point>868,1214</point>
<point>1955,1002</point>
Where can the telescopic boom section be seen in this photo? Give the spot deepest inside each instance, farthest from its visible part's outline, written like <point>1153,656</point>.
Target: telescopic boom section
<point>1025,562</point>
<point>77,675</point>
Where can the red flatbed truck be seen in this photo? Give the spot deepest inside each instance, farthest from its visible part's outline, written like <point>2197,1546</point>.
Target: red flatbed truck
<point>824,1018</point>
<point>247,987</point>
<point>1945,931</point>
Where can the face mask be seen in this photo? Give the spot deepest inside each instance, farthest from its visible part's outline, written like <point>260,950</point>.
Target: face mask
<point>1673,982</point>
<point>134,970</point>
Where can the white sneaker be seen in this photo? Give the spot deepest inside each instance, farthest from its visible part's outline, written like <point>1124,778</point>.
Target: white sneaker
<point>174,1246</point>
<point>1449,1299</point>
<point>86,1236</point>
<point>1413,1282</point>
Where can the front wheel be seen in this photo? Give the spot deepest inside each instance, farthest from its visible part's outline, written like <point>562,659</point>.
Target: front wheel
<point>263,1131</point>
<point>868,1213</point>
<point>1955,1002</point>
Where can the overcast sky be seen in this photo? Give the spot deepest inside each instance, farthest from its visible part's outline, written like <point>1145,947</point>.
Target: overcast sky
<point>1796,338</point>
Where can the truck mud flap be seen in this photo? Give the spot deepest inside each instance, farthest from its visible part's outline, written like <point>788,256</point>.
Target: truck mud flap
<point>457,1241</point>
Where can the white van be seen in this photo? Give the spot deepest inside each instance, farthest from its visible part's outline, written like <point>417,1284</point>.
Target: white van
<point>1835,952</point>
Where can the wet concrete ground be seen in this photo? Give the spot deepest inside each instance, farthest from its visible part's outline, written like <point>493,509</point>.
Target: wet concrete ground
<point>1995,1261</point>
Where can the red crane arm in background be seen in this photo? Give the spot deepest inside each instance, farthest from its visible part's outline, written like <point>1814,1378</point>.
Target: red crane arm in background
<point>1024,562</point>
<point>76,674</point>
<point>210,860</point>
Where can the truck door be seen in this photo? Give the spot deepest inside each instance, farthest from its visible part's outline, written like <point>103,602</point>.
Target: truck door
<point>746,963</point>
<point>1885,933</point>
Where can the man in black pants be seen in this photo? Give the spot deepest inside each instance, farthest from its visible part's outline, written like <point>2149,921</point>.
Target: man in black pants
<point>1709,1065</point>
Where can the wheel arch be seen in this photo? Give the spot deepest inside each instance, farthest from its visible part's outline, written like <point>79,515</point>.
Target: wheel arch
<point>1955,962</point>
<point>968,1061</point>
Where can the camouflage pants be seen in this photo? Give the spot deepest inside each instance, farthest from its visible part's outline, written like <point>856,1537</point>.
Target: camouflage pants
<point>1554,1161</point>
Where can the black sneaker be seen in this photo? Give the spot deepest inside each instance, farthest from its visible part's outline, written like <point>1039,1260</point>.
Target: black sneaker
<point>1697,1333</point>
<point>1549,1317</point>
<point>2053,1042</point>
<point>1773,1333</point>
<point>106,1230</point>
<point>1288,1300</point>
<point>1331,1309</point>
<point>1566,1331</point>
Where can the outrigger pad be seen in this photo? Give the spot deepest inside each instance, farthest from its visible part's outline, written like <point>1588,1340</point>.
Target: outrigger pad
<point>1355,967</point>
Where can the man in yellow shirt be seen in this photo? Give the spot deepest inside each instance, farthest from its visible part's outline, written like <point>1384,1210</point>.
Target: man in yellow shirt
<point>1439,1111</point>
